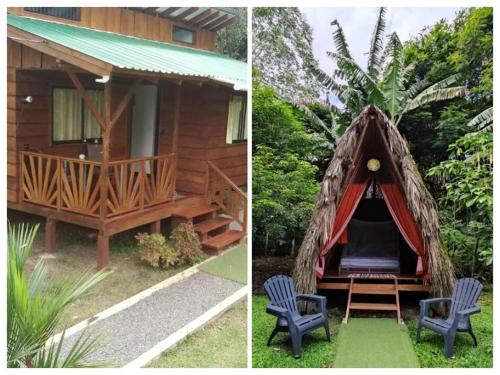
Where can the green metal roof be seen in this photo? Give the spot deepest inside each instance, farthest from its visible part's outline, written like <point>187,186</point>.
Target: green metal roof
<point>137,54</point>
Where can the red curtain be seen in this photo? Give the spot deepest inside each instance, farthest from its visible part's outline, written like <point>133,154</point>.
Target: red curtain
<point>404,220</point>
<point>346,209</point>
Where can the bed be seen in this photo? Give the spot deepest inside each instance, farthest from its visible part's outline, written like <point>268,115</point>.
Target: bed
<point>373,247</point>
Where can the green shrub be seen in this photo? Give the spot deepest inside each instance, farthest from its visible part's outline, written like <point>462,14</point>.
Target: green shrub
<point>187,243</point>
<point>156,251</point>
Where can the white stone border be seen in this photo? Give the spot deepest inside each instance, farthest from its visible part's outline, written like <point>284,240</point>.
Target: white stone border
<point>129,301</point>
<point>188,329</point>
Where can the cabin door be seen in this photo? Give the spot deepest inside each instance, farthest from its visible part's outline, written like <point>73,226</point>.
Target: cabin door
<point>143,141</point>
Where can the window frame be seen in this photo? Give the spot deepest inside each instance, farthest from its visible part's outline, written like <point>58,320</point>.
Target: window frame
<point>78,17</point>
<point>230,130</point>
<point>82,130</point>
<point>187,29</point>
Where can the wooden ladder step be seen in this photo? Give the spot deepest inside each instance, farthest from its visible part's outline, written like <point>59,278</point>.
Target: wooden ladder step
<point>211,224</point>
<point>223,240</point>
<point>381,289</point>
<point>194,211</point>
<point>374,306</point>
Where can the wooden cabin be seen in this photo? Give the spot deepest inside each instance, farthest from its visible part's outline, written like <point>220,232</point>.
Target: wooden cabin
<point>122,117</point>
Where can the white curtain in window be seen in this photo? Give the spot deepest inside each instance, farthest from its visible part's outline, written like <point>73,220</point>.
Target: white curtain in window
<point>66,112</point>
<point>91,128</point>
<point>236,119</point>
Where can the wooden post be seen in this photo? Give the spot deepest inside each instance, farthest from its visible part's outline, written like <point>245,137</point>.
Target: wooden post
<point>176,120</point>
<point>50,235</point>
<point>102,250</point>
<point>156,227</point>
<point>106,134</point>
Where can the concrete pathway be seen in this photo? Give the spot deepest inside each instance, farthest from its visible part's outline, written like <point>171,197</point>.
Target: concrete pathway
<point>135,330</point>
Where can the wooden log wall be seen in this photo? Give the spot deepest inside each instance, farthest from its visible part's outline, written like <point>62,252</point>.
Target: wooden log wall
<point>202,136</point>
<point>129,22</point>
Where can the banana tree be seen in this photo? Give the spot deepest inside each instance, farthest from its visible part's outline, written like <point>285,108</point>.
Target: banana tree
<point>34,306</point>
<point>384,83</point>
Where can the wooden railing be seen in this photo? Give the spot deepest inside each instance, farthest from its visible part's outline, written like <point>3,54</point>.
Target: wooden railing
<point>74,185</point>
<point>227,195</point>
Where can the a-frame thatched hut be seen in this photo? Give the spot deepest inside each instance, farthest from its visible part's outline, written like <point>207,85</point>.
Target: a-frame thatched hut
<point>373,216</point>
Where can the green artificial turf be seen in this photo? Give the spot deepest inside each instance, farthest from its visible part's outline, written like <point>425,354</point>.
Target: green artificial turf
<point>231,265</point>
<point>374,342</point>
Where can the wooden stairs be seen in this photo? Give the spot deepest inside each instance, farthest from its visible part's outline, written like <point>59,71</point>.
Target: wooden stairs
<point>358,286</point>
<point>212,227</point>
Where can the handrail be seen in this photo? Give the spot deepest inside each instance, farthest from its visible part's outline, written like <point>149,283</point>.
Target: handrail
<point>72,184</point>
<point>226,194</point>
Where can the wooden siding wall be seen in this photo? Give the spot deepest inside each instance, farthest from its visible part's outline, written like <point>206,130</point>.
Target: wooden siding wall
<point>202,136</point>
<point>128,22</point>
<point>30,123</point>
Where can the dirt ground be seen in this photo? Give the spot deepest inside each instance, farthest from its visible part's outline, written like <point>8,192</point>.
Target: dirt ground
<point>265,267</point>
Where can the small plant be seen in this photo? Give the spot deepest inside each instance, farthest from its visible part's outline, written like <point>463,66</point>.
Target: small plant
<point>187,243</point>
<point>155,250</point>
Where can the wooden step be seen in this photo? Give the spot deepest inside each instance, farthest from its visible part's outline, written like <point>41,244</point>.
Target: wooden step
<point>223,240</point>
<point>373,306</point>
<point>382,289</point>
<point>194,211</point>
<point>211,224</point>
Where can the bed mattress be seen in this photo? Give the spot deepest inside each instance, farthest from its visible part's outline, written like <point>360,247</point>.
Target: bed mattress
<point>369,264</point>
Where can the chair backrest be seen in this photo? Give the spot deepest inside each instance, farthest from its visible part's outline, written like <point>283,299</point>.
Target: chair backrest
<point>465,294</point>
<point>94,151</point>
<point>281,292</point>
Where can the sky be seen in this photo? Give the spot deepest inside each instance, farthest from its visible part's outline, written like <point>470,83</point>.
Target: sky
<point>358,24</point>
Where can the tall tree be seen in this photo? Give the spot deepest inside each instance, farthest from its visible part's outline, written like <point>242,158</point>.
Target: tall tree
<point>282,52</point>
<point>384,82</point>
<point>232,40</point>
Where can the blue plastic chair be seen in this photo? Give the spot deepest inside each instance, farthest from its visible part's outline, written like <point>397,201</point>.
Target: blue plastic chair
<point>462,305</point>
<point>283,305</point>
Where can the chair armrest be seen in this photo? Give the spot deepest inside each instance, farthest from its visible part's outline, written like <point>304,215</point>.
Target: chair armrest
<point>320,301</point>
<point>425,304</point>
<point>464,313</point>
<point>278,311</point>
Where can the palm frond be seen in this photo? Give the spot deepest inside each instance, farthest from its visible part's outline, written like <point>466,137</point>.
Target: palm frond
<point>483,121</point>
<point>339,40</point>
<point>376,45</point>
<point>325,80</point>
<point>417,88</point>
<point>394,77</point>
<point>429,96</point>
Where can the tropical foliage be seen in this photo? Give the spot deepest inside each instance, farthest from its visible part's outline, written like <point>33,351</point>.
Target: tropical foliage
<point>34,306</point>
<point>232,40</point>
<point>384,82</point>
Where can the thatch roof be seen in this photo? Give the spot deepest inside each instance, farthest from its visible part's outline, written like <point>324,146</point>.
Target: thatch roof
<point>420,202</point>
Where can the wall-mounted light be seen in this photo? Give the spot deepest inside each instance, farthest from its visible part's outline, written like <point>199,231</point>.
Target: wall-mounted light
<point>28,99</point>
<point>373,165</point>
<point>103,79</point>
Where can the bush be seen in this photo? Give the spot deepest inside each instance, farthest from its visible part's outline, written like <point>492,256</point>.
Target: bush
<point>187,243</point>
<point>156,251</point>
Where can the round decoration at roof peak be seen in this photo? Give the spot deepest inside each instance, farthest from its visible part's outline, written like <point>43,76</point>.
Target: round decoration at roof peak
<point>373,165</point>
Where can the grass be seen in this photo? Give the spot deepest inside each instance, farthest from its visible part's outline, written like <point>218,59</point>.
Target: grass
<point>231,265</point>
<point>430,349</point>
<point>77,254</point>
<point>222,343</point>
<point>377,342</point>
<point>317,351</point>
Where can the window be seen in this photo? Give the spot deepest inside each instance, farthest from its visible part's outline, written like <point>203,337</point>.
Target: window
<point>180,34</point>
<point>237,119</point>
<point>60,12</point>
<point>71,120</point>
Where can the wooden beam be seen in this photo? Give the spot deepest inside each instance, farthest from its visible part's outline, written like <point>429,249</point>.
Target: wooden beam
<point>124,102</point>
<point>216,22</point>
<point>167,12</point>
<point>50,235</point>
<point>224,24</point>
<point>59,51</point>
<point>106,135</point>
<point>201,16</point>
<point>102,250</point>
<point>214,15</point>
<point>176,120</point>
<point>187,12</point>
<point>89,103</point>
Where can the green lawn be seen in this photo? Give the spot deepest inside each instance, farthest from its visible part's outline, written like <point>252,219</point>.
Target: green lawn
<point>430,349</point>
<point>317,351</point>
<point>221,344</point>
<point>231,265</point>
